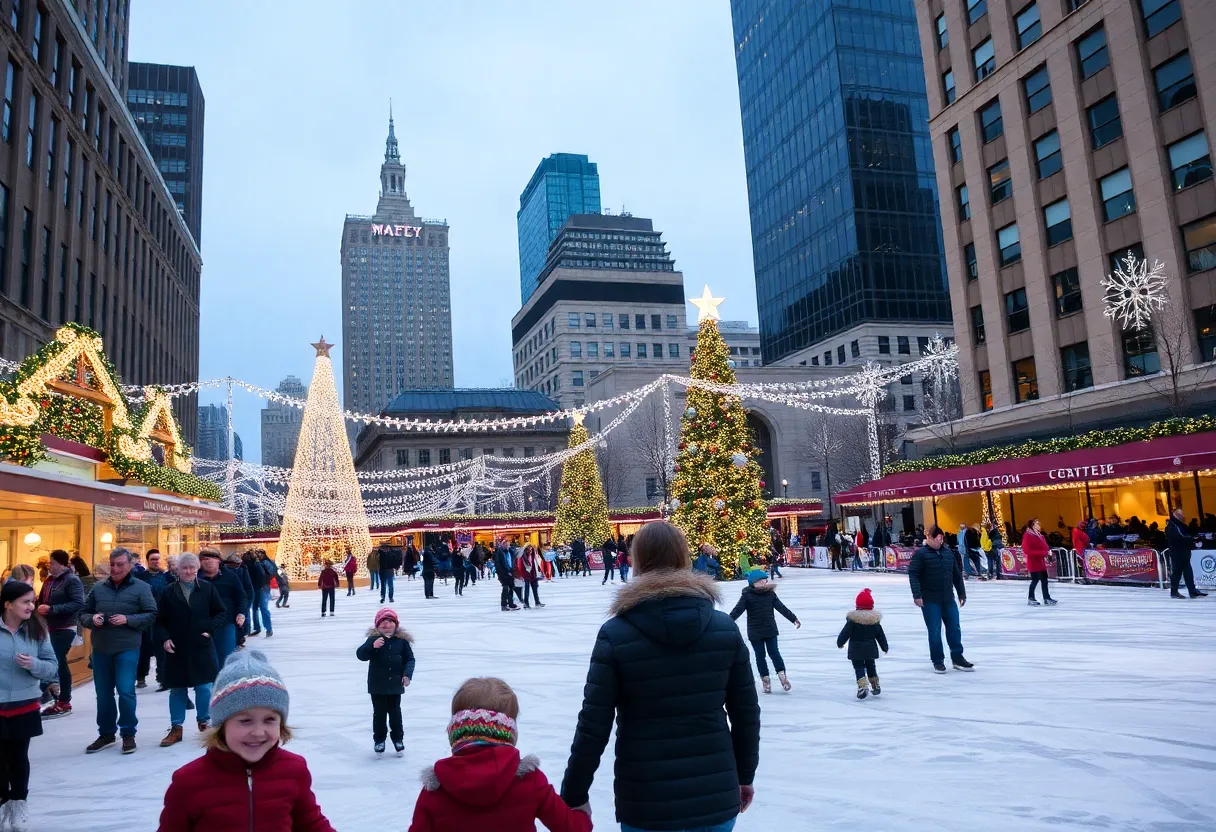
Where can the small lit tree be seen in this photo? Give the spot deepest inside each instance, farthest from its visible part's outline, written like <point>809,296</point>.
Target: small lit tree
<point>582,509</point>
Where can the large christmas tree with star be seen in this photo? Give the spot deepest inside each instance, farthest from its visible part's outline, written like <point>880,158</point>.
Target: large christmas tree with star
<point>582,509</point>
<point>716,493</point>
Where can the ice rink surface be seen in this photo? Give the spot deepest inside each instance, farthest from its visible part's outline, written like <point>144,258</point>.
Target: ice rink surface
<point>1094,714</point>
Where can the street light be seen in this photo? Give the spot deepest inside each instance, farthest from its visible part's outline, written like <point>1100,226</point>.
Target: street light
<point>785,488</point>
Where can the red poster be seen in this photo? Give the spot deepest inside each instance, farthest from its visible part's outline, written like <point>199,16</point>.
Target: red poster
<point>1132,566</point>
<point>595,558</point>
<point>898,558</point>
<point>1013,564</point>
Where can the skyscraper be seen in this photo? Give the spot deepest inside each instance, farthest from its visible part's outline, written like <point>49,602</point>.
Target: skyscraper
<point>213,434</point>
<point>167,104</point>
<point>563,184</point>
<point>396,303</point>
<point>281,425</point>
<point>844,214</point>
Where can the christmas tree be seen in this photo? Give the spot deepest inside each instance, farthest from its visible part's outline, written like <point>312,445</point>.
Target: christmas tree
<point>716,491</point>
<point>582,509</point>
<point>324,514</point>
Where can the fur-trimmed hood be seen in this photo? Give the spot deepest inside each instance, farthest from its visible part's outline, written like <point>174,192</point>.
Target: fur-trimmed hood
<point>479,776</point>
<point>864,616</point>
<point>401,634</point>
<point>664,583</point>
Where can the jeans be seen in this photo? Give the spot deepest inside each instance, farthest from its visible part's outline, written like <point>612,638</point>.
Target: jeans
<point>936,614</point>
<point>386,711</point>
<point>115,671</point>
<point>994,563</point>
<point>857,565</point>
<point>261,604</point>
<point>721,827</point>
<point>61,643</point>
<point>624,570</point>
<point>1037,578</point>
<point>386,584</point>
<point>770,644</point>
<point>531,583</point>
<point>865,669</point>
<point>350,584</point>
<point>428,583</point>
<point>774,570</point>
<point>375,579</point>
<point>609,572</point>
<point>1180,570</point>
<point>283,595</point>
<point>224,640</point>
<point>14,769</point>
<point>507,600</point>
<point>249,616</point>
<point>327,594</point>
<point>177,704</point>
<point>973,558</point>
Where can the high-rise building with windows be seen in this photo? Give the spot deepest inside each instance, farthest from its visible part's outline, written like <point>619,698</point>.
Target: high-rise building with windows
<point>396,297</point>
<point>89,230</point>
<point>563,184</point>
<point>1068,134</point>
<point>844,216</point>
<point>608,296</point>
<point>281,425</point>
<point>213,435</point>
<point>167,104</point>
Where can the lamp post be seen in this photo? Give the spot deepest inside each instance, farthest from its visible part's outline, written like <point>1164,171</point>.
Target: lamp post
<point>785,488</point>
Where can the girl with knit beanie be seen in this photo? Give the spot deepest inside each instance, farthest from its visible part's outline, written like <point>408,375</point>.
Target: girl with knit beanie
<point>863,633</point>
<point>245,780</point>
<point>390,666</point>
<point>485,784</point>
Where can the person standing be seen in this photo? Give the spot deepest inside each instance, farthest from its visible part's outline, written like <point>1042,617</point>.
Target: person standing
<point>373,568</point>
<point>608,550</point>
<point>527,570</point>
<point>190,612</point>
<point>995,543</point>
<point>971,539</point>
<point>232,595</point>
<point>390,562</point>
<point>459,574</point>
<point>386,649</point>
<point>411,559</point>
<point>59,602</point>
<point>118,610</point>
<point>349,568</point>
<point>1181,543</point>
<point>1036,550</point>
<point>428,571</point>
<point>623,564</point>
<point>675,675</point>
<point>863,633</point>
<point>155,577</point>
<point>506,576</point>
<point>284,583</point>
<point>328,582</point>
<point>934,575</point>
<point>26,660</point>
<point>266,569</point>
<point>260,581</point>
<point>550,561</point>
<point>578,556</point>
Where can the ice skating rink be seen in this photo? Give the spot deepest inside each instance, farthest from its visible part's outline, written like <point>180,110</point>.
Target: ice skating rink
<point>1094,714</point>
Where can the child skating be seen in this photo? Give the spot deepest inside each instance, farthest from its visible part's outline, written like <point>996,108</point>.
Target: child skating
<point>759,600</point>
<point>245,780</point>
<point>328,582</point>
<point>390,667</point>
<point>863,633</point>
<point>485,784</point>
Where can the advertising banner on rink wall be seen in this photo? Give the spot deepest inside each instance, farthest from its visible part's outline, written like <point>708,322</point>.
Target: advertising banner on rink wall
<point>1125,566</point>
<point>1203,562</point>
<point>898,557</point>
<point>1013,564</point>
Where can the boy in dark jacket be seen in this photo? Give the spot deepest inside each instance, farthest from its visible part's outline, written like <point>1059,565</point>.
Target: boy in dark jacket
<point>863,633</point>
<point>759,600</point>
<point>390,667</point>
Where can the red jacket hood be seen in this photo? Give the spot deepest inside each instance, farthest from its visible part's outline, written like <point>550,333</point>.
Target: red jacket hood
<point>481,775</point>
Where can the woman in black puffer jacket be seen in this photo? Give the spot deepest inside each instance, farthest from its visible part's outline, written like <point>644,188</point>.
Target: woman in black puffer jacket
<point>675,674</point>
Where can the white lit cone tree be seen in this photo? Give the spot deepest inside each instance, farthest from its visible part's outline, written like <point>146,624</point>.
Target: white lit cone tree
<point>324,513</point>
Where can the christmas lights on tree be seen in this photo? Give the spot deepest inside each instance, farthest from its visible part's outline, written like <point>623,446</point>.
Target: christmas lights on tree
<point>324,514</point>
<point>716,491</point>
<point>582,509</point>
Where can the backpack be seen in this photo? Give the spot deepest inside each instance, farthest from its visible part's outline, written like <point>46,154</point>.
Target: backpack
<point>985,541</point>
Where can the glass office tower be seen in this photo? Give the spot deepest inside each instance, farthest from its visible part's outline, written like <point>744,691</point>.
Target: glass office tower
<point>840,176</point>
<point>564,184</point>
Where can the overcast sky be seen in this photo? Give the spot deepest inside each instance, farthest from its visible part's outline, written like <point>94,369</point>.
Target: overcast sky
<point>297,106</point>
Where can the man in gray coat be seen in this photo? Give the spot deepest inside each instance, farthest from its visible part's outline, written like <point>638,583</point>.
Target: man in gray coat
<point>117,610</point>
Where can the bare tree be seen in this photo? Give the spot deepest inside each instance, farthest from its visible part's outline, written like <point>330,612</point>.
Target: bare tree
<point>1179,378</point>
<point>646,436</point>
<point>943,411</point>
<point>839,447</point>
<point>611,457</point>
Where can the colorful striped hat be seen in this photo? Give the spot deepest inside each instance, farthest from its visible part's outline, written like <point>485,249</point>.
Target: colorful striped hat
<point>480,727</point>
<point>247,681</point>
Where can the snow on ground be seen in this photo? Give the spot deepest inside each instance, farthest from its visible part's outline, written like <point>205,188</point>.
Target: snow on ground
<point>1092,714</point>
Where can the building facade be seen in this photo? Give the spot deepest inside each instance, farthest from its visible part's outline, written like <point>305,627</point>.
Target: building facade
<point>167,104</point>
<point>609,296</point>
<point>281,425</point>
<point>563,184</point>
<point>213,434</point>
<point>844,208</point>
<point>396,296</point>
<point>742,341</point>
<point>89,231</point>
<point>1085,129</point>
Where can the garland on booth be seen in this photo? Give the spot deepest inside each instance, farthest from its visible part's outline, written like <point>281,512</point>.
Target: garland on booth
<point>1060,444</point>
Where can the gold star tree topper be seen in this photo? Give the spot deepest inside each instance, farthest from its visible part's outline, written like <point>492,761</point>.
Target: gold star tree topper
<point>707,306</point>
<point>322,348</point>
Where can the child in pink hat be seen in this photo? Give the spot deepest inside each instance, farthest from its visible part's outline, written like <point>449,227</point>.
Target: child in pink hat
<point>390,667</point>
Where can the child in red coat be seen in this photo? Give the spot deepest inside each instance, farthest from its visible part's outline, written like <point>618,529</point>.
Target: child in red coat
<point>245,780</point>
<point>484,784</point>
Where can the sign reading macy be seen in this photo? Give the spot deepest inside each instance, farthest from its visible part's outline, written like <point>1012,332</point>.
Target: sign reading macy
<point>379,230</point>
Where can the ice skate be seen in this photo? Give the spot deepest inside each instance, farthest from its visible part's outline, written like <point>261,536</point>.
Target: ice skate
<point>785,682</point>
<point>379,748</point>
<point>1051,602</point>
<point>399,747</point>
<point>862,689</point>
<point>1033,603</point>
<point>768,685</point>
<point>962,664</point>
<point>18,815</point>
<point>938,667</point>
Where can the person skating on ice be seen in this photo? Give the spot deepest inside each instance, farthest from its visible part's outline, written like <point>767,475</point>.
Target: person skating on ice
<point>1036,550</point>
<point>485,786</point>
<point>863,633</point>
<point>390,668</point>
<point>759,600</point>
<point>349,568</point>
<point>935,575</point>
<point>328,582</point>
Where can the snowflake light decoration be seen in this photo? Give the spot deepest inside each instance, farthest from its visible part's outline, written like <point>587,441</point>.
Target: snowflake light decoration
<point>1134,291</point>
